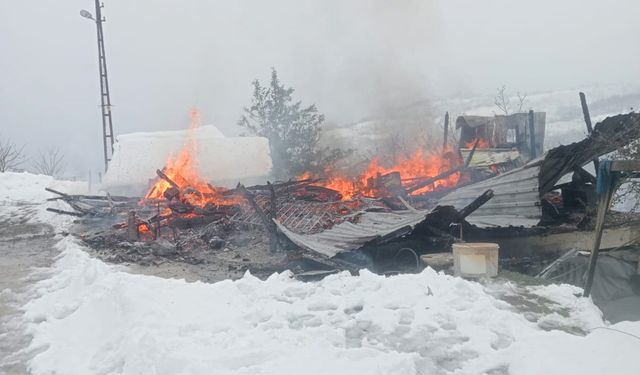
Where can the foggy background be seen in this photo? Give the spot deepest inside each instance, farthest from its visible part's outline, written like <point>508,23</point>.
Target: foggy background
<point>352,58</point>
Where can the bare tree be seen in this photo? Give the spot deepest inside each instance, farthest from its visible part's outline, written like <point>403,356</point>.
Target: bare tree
<point>50,163</point>
<point>11,156</point>
<point>501,100</point>
<point>521,99</point>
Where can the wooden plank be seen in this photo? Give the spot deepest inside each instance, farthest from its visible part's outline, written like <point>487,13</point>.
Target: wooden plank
<point>446,132</point>
<point>625,165</point>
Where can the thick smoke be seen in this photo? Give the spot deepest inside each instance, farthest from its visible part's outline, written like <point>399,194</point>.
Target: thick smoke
<point>354,59</point>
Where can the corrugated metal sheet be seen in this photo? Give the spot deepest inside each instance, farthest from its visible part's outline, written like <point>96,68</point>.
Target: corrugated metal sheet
<point>348,236</point>
<point>516,200</point>
<point>517,192</point>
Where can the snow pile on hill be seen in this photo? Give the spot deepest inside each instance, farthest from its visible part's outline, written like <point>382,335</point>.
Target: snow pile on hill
<point>92,318</point>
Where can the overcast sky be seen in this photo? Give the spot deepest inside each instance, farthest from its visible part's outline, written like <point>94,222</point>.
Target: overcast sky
<point>352,58</point>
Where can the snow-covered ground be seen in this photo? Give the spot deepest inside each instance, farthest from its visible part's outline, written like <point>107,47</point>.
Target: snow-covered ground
<point>87,317</point>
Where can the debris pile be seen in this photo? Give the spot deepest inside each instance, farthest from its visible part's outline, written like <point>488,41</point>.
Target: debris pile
<point>384,222</point>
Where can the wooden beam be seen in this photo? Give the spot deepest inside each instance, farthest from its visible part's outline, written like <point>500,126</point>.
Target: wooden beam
<point>470,156</point>
<point>446,132</point>
<point>268,223</point>
<point>133,233</point>
<point>585,112</point>
<point>273,235</point>
<point>603,207</point>
<point>445,174</point>
<point>587,121</point>
<point>166,178</point>
<point>57,192</point>
<point>471,207</point>
<point>532,136</point>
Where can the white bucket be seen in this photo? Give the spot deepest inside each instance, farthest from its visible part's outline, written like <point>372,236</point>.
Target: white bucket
<point>475,259</point>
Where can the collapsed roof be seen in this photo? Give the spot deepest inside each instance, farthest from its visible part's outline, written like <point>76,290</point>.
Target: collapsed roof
<point>516,200</point>
<point>517,193</point>
<point>348,236</point>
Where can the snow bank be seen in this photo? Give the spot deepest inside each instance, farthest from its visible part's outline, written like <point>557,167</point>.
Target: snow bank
<point>92,318</point>
<point>29,187</point>
<point>23,195</point>
<point>221,160</point>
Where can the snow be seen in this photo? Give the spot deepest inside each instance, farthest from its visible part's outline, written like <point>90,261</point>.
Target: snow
<point>22,194</point>
<point>88,317</point>
<point>229,160</point>
<point>92,318</point>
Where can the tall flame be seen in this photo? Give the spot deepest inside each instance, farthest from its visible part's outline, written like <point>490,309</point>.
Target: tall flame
<point>183,170</point>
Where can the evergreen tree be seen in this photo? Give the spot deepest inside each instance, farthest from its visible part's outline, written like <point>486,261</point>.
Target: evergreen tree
<point>293,131</point>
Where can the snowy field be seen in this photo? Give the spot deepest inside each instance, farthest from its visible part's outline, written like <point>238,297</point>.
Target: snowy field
<point>87,317</point>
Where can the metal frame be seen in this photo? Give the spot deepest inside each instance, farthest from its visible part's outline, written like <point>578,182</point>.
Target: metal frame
<point>105,99</point>
<point>604,201</point>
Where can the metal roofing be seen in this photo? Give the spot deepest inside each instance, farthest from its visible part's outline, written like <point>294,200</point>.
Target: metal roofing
<point>516,200</point>
<point>517,192</point>
<point>348,236</point>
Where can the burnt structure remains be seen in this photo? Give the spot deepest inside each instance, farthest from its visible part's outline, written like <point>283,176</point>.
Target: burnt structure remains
<point>509,192</point>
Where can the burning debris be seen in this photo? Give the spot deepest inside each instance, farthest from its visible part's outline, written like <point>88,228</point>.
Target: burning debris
<point>383,218</point>
<point>184,218</point>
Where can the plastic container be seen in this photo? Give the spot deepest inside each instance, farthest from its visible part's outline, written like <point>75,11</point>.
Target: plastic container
<point>475,259</point>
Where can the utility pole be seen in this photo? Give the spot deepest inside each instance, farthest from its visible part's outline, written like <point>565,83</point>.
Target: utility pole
<point>105,100</point>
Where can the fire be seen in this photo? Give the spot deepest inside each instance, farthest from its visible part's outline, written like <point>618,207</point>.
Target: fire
<point>419,166</point>
<point>183,170</point>
<point>482,143</point>
<point>347,187</point>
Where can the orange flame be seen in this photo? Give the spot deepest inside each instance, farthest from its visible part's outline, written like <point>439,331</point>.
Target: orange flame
<point>183,170</point>
<point>418,165</point>
<point>482,143</point>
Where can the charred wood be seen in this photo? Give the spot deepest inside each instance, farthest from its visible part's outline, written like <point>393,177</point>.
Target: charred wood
<point>446,174</point>
<point>133,233</point>
<point>163,176</point>
<point>471,207</point>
